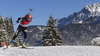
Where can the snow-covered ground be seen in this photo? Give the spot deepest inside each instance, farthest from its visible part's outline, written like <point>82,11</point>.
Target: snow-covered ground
<point>52,51</point>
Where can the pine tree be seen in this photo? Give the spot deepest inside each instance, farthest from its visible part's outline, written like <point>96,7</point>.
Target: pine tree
<point>51,36</point>
<point>1,23</point>
<point>10,30</point>
<point>6,32</point>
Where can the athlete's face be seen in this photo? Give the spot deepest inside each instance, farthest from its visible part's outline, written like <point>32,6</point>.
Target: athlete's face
<point>28,18</point>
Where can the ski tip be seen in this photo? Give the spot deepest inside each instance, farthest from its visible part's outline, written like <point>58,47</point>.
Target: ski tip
<point>23,47</point>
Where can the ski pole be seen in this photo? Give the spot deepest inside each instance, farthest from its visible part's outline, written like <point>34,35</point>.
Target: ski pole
<point>12,25</point>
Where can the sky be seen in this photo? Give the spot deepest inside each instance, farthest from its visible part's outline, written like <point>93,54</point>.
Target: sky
<point>42,9</point>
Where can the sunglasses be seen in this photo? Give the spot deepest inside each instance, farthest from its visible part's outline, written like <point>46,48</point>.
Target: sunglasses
<point>29,18</point>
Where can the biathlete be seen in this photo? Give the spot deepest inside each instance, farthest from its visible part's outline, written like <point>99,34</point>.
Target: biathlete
<point>22,27</point>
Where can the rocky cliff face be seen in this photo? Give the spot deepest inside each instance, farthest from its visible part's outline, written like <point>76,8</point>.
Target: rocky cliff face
<point>79,34</point>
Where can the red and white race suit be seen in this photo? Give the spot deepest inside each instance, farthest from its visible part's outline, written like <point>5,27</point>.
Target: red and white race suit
<point>24,22</point>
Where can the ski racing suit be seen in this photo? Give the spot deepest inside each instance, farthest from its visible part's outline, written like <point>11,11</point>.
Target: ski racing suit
<point>22,27</point>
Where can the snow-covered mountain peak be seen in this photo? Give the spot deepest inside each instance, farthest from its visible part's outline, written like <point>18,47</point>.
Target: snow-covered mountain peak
<point>89,14</point>
<point>93,8</point>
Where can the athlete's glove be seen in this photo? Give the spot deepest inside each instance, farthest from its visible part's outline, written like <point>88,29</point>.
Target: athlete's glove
<point>18,20</point>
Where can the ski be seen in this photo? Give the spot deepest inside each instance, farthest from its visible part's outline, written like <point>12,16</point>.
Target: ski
<point>19,48</point>
<point>5,48</point>
<point>27,47</point>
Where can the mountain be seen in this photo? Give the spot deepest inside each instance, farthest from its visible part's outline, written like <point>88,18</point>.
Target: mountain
<point>81,27</point>
<point>89,14</point>
<point>79,34</point>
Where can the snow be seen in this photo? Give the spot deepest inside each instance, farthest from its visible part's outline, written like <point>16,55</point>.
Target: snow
<point>94,7</point>
<point>96,41</point>
<point>52,51</point>
<point>2,30</point>
<point>40,28</point>
<point>80,22</point>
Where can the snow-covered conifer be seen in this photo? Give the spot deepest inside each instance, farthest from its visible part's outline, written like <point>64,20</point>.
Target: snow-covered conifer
<point>51,36</point>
